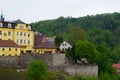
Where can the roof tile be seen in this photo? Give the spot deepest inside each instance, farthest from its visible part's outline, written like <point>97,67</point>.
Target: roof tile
<point>8,43</point>
<point>116,66</point>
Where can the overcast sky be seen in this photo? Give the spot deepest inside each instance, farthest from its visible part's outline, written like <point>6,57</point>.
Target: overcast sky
<point>36,10</point>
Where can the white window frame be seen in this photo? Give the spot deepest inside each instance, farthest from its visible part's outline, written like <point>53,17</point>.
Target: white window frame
<point>9,25</point>
<point>1,24</point>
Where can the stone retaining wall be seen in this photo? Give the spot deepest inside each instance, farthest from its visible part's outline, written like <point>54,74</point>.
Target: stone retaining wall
<point>54,62</point>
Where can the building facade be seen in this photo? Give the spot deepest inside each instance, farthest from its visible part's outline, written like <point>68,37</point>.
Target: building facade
<point>42,45</point>
<point>64,46</point>
<point>9,48</point>
<point>18,32</point>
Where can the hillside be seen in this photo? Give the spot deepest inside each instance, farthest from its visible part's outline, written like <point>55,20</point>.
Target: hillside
<point>99,29</point>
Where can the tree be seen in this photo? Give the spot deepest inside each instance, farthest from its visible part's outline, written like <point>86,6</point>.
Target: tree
<point>85,49</point>
<point>116,54</point>
<point>77,34</point>
<point>58,41</point>
<point>70,54</point>
<point>104,63</point>
<point>37,70</point>
<point>104,76</point>
<point>104,60</point>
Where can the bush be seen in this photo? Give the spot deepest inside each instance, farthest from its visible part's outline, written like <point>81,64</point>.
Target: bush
<point>69,78</point>
<point>37,70</point>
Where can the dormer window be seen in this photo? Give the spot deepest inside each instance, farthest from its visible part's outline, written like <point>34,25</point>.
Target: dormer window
<point>9,25</point>
<point>1,25</point>
<point>29,27</point>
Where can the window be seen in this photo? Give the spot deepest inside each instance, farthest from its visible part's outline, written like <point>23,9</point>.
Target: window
<point>15,49</point>
<point>1,25</point>
<point>3,49</point>
<point>28,41</point>
<point>24,34</point>
<point>0,32</point>
<point>24,41</point>
<point>9,25</point>
<point>17,33</point>
<point>9,33</point>
<point>17,41</point>
<point>9,49</point>
<point>20,33</point>
<point>29,27</point>
<point>21,26</point>
<point>28,35</point>
<point>21,41</point>
<point>65,44</point>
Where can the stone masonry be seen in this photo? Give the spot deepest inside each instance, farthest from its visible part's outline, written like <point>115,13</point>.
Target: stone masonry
<point>54,62</point>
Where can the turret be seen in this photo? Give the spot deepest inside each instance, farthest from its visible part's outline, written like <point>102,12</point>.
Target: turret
<point>1,17</point>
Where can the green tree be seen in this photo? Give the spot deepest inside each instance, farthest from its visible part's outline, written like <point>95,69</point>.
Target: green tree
<point>85,49</point>
<point>104,76</point>
<point>104,63</point>
<point>58,41</point>
<point>77,34</point>
<point>70,54</point>
<point>37,70</point>
<point>116,54</point>
<point>104,60</point>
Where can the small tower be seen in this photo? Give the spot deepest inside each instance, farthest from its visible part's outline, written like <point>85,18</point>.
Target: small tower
<point>1,17</point>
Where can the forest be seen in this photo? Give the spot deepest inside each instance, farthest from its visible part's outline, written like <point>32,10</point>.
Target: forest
<point>98,29</point>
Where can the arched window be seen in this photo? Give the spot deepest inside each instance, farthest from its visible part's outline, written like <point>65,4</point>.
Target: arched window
<point>9,25</point>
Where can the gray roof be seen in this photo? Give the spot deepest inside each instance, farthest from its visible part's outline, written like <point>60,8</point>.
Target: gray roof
<point>18,21</point>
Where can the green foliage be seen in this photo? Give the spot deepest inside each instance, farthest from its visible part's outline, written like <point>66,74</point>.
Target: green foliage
<point>69,78</point>
<point>85,49</point>
<point>86,78</point>
<point>70,54</point>
<point>58,41</point>
<point>104,76</point>
<point>116,54</point>
<point>77,34</point>
<point>104,63</point>
<point>104,60</point>
<point>37,70</point>
<point>102,28</point>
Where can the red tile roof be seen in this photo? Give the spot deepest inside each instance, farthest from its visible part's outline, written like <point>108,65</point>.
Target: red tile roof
<point>8,43</point>
<point>45,45</point>
<point>116,66</point>
<point>40,41</point>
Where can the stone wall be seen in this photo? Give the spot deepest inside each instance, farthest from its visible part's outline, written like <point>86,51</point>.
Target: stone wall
<point>89,70</point>
<point>59,59</point>
<point>54,62</point>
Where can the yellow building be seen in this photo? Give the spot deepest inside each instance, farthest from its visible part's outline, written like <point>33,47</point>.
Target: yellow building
<point>19,32</point>
<point>9,48</point>
<point>42,45</point>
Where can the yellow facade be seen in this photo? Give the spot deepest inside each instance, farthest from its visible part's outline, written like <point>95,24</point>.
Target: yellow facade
<point>9,51</point>
<point>44,50</point>
<point>24,37</point>
<point>20,33</point>
<point>6,34</point>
